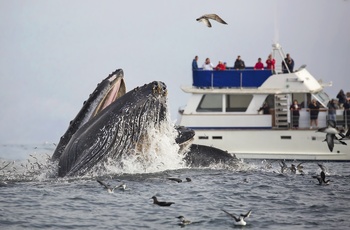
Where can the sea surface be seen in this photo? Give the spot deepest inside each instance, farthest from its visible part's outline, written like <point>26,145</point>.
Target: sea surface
<point>32,197</point>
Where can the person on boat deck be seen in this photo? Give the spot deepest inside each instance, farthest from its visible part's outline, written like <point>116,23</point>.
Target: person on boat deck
<point>239,63</point>
<point>259,65</point>
<point>341,98</point>
<point>295,107</point>
<point>346,112</point>
<point>265,108</point>
<point>220,66</point>
<point>290,64</point>
<point>207,65</point>
<point>332,110</point>
<point>314,109</point>
<point>194,63</point>
<point>270,63</point>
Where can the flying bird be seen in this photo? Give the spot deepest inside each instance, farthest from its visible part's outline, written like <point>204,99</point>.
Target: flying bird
<point>205,19</point>
<point>240,219</point>
<point>111,189</point>
<point>299,168</point>
<point>161,203</point>
<point>322,167</point>
<point>322,179</point>
<point>331,131</point>
<point>283,166</point>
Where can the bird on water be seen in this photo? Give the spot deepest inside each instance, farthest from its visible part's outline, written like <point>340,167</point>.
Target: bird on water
<point>161,203</point>
<point>240,220</point>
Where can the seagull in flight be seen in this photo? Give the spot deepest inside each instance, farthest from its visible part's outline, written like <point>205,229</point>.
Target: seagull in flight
<point>322,167</point>
<point>322,179</point>
<point>240,219</point>
<point>205,19</point>
<point>331,131</point>
<point>283,166</point>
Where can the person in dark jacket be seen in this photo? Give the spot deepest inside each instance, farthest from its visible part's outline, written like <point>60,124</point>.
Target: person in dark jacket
<point>314,108</point>
<point>290,64</point>
<point>194,63</point>
<point>265,108</point>
<point>341,98</point>
<point>346,112</point>
<point>239,63</point>
<point>332,110</point>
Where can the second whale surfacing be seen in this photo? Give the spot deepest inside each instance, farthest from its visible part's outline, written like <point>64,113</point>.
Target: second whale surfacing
<point>112,123</point>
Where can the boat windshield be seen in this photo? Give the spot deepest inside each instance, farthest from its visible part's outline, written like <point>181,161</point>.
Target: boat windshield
<point>322,98</point>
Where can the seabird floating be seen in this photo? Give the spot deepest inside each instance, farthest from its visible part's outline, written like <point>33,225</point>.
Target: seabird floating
<point>205,19</point>
<point>161,203</point>
<point>178,180</point>
<point>240,219</point>
<point>183,221</point>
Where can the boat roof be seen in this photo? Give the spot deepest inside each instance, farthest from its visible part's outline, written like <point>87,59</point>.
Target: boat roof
<point>250,82</point>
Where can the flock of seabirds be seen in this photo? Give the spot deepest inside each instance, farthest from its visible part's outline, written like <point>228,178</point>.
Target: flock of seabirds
<point>333,136</point>
<point>238,219</point>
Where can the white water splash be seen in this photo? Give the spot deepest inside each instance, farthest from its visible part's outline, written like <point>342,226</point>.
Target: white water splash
<point>159,152</point>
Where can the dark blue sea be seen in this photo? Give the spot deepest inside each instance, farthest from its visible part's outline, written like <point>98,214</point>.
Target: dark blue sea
<point>32,197</point>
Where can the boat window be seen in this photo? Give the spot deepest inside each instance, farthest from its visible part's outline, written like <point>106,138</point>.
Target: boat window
<point>322,97</point>
<point>238,102</point>
<point>210,103</point>
<point>270,99</point>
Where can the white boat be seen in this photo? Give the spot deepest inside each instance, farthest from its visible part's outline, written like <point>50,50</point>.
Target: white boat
<point>223,111</point>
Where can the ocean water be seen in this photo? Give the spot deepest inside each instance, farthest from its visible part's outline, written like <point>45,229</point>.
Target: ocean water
<point>32,197</point>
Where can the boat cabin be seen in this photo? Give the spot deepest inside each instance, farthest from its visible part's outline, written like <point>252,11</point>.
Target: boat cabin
<point>231,99</point>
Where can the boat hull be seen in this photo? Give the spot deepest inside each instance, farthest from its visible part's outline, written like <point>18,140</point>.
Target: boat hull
<point>273,144</point>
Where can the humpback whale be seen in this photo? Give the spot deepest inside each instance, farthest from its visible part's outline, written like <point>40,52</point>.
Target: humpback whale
<point>113,122</point>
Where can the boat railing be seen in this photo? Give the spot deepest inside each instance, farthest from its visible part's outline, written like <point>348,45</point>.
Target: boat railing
<point>342,118</point>
<point>231,78</point>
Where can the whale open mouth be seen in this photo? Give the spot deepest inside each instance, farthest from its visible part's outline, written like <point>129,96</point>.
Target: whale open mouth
<point>116,90</point>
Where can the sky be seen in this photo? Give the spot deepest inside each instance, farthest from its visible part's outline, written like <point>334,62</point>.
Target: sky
<point>53,53</point>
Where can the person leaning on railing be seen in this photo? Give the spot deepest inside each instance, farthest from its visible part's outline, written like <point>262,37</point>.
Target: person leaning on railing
<point>207,65</point>
<point>332,110</point>
<point>220,66</point>
<point>314,109</point>
<point>288,62</point>
<point>346,112</point>
<point>239,63</point>
<point>341,98</point>
<point>295,107</point>
<point>270,63</point>
<point>194,63</point>
<point>259,65</point>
